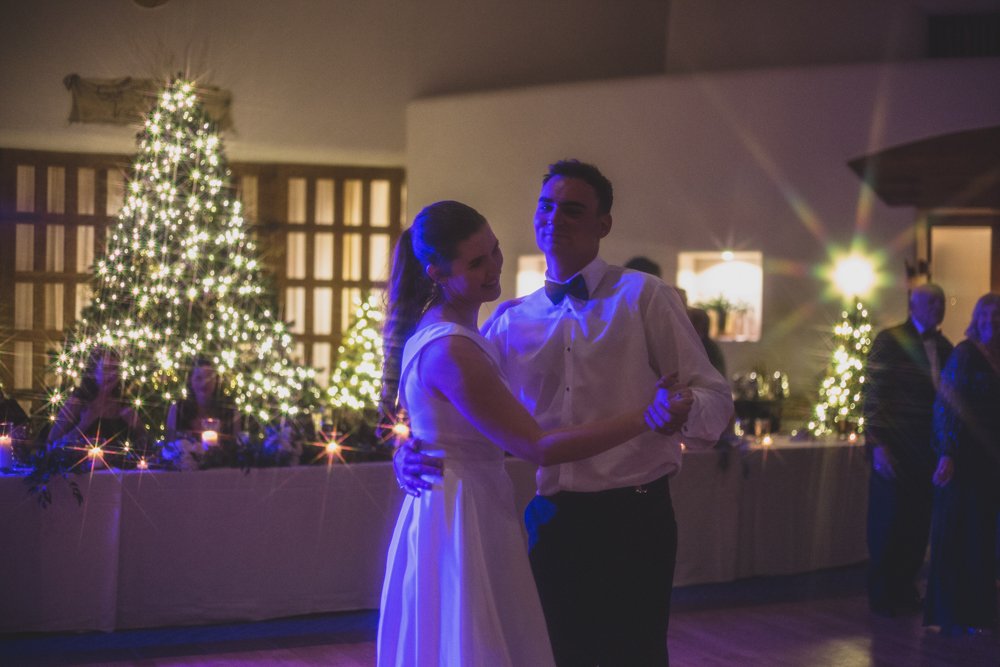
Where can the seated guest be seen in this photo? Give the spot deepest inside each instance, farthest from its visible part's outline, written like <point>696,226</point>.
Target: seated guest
<point>204,401</point>
<point>11,411</point>
<point>96,411</point>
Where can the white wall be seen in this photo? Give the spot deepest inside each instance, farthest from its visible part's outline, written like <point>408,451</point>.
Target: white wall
<point>312,80</point>
<point>747,160</point>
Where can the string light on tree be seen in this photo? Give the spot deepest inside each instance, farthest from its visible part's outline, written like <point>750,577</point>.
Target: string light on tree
<point>357,379</point>
<point>839,407</point>
<point>181,278</point>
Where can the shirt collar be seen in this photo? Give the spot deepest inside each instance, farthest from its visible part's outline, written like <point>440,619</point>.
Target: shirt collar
<point>592,274</point>
<point>921,330</point>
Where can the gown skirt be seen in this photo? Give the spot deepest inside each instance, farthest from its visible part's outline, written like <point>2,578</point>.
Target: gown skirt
<point>458,588</point>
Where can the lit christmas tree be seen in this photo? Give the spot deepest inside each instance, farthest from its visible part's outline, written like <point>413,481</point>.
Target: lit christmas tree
<point>839,409</point>
<point>181,278</point>
<point>357,379</point>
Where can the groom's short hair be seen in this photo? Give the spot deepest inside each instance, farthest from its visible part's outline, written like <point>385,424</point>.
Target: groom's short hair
<point>589,174</point>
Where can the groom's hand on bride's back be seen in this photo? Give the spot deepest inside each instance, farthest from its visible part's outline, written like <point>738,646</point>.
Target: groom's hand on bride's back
<point>410,467</point>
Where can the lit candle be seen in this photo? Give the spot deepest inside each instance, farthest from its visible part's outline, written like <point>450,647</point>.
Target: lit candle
<point>332,449</point>
<point>210,432</point>
<point>766,440</point>
<point>401,431</point>
<point>6,451</point>
<point>852,438</point>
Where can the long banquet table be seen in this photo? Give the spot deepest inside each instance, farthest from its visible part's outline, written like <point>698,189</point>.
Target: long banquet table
<point>178,548</point>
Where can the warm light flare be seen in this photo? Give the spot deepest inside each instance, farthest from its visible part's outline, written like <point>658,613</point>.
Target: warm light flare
<point>854,276</point>
<point>401,431</point>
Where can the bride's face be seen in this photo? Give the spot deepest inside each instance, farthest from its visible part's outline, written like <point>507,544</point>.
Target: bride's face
<point>474,274</point>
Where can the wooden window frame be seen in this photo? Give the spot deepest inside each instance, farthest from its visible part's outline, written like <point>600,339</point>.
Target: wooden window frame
<point>270,230</point>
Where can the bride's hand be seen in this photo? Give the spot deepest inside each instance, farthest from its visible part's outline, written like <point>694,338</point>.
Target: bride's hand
<point>670,407</point>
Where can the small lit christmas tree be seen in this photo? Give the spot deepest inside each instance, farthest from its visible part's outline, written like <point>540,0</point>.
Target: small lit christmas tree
<point>839,409</point>
<point>357,379</point>
<point>181,278</point>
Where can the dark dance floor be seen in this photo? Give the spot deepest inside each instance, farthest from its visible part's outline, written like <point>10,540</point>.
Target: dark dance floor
<point>809,620</point>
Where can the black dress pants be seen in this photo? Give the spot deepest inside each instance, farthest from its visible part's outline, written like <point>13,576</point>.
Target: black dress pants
<point>604,566</point>
<point>899,520</point>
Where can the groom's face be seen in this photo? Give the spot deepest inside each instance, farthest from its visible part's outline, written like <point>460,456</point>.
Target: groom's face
<point>568,226</point>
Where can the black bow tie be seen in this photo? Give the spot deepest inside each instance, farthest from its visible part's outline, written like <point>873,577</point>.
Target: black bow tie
<point>929,334</point>
<point>575,288</point>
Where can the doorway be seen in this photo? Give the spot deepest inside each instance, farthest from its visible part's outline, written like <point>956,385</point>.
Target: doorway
<point>962,263</point>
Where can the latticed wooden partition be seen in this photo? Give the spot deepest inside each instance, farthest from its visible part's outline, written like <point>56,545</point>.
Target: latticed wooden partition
<point>325,233</point>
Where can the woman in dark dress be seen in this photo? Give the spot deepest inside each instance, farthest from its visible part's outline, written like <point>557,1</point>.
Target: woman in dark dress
<point>961,586</point>
<point>96,412</point>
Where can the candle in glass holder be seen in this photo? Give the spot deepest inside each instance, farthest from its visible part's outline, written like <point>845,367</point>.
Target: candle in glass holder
<point>209,432</point>
<point>6,445</point>
<point>401,431</point>
<point>761,428</point>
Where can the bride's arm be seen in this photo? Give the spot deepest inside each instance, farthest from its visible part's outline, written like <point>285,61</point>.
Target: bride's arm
<point>460,371</point>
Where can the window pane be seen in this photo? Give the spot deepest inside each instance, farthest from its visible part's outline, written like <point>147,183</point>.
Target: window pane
<point>379,295</point>
<point>323,311</point>
<point>322,353</point>
<point>24,248</point>
<point>116,192</point>
<point>56,193</point>
<point>248,197</point>
<point>380,203</point>
<point>85,179</point>
<point>24,306</point>
<point>324,201</point>
<point>55,247</point>
<point>350,301</point>
<point>323,258</point>
<point>84,248</point>
<point>378,257</point>
<point>352,203</point>
<point>83,296</point>
<point>297,200</point>
<point>53,306</point>
<point>296,265</point>
<point>23,353</point>
<point>295,309</point>
<point>25,188</point>
<point>51,378</point>
<point>352,257</point>
<point>530,274</point>
<point>402,205</point>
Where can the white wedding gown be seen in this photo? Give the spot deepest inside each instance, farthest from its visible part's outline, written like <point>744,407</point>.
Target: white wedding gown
<point>458,589</point>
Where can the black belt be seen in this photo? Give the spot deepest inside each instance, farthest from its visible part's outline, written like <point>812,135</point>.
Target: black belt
<point>656,486</point>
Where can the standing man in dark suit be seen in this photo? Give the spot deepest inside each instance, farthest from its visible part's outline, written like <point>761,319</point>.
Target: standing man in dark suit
<point>904,365</point>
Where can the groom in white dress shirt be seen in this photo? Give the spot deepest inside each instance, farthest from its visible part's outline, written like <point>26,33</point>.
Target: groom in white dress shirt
<point>602,534</point>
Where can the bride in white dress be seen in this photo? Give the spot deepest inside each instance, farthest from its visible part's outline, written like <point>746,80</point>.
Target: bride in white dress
<point>458,587</point>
